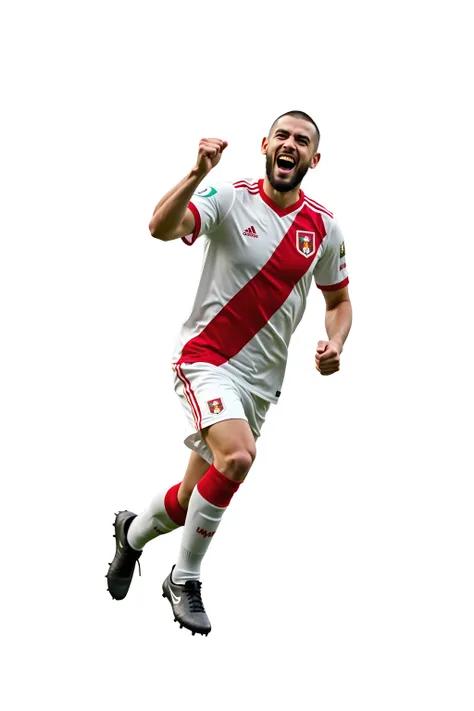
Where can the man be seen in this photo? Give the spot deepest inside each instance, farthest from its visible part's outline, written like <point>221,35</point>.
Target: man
<point>264,243</point>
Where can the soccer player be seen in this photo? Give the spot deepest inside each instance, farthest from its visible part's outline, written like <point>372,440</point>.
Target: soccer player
<point>264,242</point>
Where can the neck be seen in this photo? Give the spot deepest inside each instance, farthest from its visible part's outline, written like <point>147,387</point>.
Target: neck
<point>281,199</point>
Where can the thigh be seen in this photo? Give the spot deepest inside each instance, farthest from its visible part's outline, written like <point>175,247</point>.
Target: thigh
<point>230,437</point>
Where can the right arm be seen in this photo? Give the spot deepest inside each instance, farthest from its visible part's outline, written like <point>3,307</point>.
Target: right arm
<point>172,217</point>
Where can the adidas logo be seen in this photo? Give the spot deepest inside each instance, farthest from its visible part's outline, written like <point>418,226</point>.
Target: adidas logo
<point>250,232</point>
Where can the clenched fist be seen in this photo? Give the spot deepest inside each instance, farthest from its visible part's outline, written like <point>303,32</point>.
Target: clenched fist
<point>327,357</point>
<point>209,155</point>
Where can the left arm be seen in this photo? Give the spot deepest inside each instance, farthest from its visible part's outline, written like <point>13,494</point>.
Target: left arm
<point>338,322</point>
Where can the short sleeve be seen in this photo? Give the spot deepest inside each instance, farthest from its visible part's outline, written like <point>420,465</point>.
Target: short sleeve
<point>210,206</point>
<point>330,273</point>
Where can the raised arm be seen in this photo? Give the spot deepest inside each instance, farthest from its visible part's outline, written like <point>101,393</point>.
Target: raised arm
<point>172,217</point>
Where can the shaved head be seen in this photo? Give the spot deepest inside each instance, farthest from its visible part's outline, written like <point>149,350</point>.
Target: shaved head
<point>305,117</point>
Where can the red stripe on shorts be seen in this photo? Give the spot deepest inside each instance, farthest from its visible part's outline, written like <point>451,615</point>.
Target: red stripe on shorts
<point>190,397</point>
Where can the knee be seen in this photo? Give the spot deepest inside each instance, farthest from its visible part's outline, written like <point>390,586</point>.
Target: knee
<point>236,464</point>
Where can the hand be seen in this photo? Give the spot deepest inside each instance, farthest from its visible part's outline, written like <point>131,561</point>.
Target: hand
<point>209,155</point>
<point>328,357</point>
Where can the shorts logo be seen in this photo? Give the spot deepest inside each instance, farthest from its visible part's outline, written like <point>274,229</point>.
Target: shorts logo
<point>215,406</point>
<point>305,243</point>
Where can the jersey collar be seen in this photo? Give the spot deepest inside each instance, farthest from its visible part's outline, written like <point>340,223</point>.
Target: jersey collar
<point>280,211</point>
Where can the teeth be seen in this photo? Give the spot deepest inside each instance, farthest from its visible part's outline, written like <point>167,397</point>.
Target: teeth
<point>288,158</point>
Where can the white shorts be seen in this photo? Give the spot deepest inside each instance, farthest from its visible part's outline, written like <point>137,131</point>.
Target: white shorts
<point>209,395</point>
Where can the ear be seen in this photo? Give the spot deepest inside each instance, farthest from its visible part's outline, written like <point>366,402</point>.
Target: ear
<point>315,160</point>
<point>264,146</point>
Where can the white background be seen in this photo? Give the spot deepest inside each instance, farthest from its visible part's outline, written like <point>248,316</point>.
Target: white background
<point>341,577</point>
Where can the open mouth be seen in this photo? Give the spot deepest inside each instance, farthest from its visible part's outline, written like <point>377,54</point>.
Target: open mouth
<point>285,163</point>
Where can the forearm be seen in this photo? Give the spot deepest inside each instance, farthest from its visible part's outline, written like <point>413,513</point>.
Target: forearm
<point>338,322</point>
<point>170,211</point>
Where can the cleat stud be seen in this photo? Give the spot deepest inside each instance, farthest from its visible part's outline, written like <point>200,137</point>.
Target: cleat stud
<point>181,627</point>
<point>194,633</point>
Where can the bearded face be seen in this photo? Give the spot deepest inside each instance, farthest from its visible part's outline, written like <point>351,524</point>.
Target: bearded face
<point>284,171</point>
<point>290,152</point>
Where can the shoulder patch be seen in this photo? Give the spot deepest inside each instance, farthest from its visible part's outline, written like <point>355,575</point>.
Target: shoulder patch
<point>206,192</point>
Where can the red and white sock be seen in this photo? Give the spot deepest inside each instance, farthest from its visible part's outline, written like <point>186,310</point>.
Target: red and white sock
<point>207,504</point>
<point>164,514</point>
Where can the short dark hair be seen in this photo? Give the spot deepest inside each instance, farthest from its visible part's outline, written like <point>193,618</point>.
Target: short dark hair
<point>300,115</point>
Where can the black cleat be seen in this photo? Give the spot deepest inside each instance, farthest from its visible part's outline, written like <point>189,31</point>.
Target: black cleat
<point>121,569</point>
<point>186,603</point>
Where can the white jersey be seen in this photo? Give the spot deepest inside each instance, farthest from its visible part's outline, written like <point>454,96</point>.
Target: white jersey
<point>259,262</point>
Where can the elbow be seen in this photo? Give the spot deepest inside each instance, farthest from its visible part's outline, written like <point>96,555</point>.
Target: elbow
<point>155,230</point>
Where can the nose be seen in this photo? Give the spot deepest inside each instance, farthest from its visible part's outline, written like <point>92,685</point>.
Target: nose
<point>289,146</point>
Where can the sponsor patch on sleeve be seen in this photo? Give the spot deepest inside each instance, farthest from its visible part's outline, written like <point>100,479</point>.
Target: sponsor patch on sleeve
<point>206,192</point>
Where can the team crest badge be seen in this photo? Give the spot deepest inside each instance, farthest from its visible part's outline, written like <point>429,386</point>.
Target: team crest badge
<point>215,406</point>
<point>305,243</point>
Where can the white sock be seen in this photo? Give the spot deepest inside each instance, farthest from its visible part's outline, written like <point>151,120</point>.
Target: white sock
<point>152,522</point>
<point>202,521</point>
